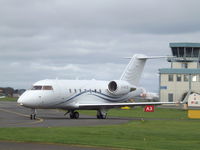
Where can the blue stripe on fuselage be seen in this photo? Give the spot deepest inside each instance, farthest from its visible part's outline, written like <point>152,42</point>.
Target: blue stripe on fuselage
<point>97,94</point>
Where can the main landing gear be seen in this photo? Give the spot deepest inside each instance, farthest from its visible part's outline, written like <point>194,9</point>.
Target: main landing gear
<point>33,114</point>
<point>72,114</point>
<point>101,114</point>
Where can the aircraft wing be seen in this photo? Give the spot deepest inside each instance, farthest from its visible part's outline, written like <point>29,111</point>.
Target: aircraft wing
<point>113,105</point>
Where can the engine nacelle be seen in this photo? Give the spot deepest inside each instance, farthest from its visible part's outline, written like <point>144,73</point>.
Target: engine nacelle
<point>119,87</point>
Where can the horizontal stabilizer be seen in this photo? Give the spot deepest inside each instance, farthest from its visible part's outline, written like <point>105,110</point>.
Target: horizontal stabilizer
<point>150,57</point>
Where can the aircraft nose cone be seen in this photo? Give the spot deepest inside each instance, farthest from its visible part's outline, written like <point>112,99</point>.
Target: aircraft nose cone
<point>24,99</point>
<point>30,99</point>
<point>20,100</point>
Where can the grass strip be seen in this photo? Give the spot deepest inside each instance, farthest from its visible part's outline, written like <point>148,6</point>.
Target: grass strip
<point>14,99</point>
<point>172,130</point>
<point>155,135</point>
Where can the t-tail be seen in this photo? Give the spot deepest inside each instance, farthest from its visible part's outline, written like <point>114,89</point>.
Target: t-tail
<point>134,69</point>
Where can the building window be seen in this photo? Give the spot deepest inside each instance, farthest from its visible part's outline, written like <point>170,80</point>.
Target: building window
<point>75,90</point>
<point>170,77</point>
<point>80,90</point>
<point>70,90</point>
<point>186,77</point>
<point>184,65</point>
<point>170,97</point>
<point>194,78</point>
<point>178,77</point>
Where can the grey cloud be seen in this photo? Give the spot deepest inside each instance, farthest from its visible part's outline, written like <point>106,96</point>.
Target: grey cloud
<point>131,16</point>
<point>42,38</point>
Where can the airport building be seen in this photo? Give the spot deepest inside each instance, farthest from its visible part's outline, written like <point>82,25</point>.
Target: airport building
<point>183,78</point>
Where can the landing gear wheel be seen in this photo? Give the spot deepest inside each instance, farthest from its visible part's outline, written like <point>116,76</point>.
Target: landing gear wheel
<point>71,115</point>
<point>74,115</point>
<point>101,115</point>
<point>98,117</point>
<point>33,116</point>
<point>104,116</point>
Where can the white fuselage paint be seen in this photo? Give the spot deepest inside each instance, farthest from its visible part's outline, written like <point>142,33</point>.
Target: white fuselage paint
<point>90,94</point>
<point>68,94</point>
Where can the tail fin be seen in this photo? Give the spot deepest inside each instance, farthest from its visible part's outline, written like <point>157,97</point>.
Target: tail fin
<point>134,69</point>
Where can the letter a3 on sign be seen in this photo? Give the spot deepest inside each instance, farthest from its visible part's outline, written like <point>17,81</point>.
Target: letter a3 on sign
<point>149,108</point>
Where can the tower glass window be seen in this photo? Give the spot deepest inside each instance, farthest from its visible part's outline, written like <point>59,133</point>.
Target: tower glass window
<point>196,52</point>
<point>174,51</point>
<point>188,51</point>
<point>181,51</point>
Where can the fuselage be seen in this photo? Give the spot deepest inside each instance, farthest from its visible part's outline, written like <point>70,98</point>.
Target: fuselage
<point>67,94</point>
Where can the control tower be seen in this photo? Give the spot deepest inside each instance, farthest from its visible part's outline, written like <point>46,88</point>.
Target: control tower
<point>183,77</point>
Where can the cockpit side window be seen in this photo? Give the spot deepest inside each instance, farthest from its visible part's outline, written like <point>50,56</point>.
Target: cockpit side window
<point>37,87</point>
<point>47,87</point>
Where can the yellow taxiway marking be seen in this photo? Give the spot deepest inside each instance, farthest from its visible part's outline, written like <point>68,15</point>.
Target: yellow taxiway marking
<point>38,120</point>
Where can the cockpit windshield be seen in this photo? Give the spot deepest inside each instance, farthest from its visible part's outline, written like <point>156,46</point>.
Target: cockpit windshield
<point>36,88</point>
<point>39,87</point>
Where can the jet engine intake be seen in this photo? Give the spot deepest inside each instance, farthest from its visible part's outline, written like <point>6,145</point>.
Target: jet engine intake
<point>119,87</point>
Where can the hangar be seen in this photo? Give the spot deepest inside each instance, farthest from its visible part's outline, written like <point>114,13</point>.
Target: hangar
<point>183,77</point>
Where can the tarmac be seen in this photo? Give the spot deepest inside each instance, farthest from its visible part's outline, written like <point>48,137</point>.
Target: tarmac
<point>14,115</point>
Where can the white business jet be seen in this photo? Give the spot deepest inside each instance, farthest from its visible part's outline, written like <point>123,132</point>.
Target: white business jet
<point>72,95</point>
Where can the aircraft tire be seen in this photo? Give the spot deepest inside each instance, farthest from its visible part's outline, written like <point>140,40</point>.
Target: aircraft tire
<point>101,116</point>
<point>98,117</point>
<point>76,115</point>
<point>71,115</point>
<point>33,116</point>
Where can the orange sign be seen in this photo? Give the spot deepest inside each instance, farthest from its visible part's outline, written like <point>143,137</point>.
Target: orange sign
<point>149,108</point>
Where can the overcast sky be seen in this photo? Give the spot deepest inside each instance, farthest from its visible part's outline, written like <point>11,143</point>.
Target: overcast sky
<point>86,39</point>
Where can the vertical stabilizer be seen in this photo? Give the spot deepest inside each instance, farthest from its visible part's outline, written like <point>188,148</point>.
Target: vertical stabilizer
<point>134,69</point>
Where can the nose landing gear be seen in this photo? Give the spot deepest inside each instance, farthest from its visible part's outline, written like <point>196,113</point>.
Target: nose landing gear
<point>33,114</point>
